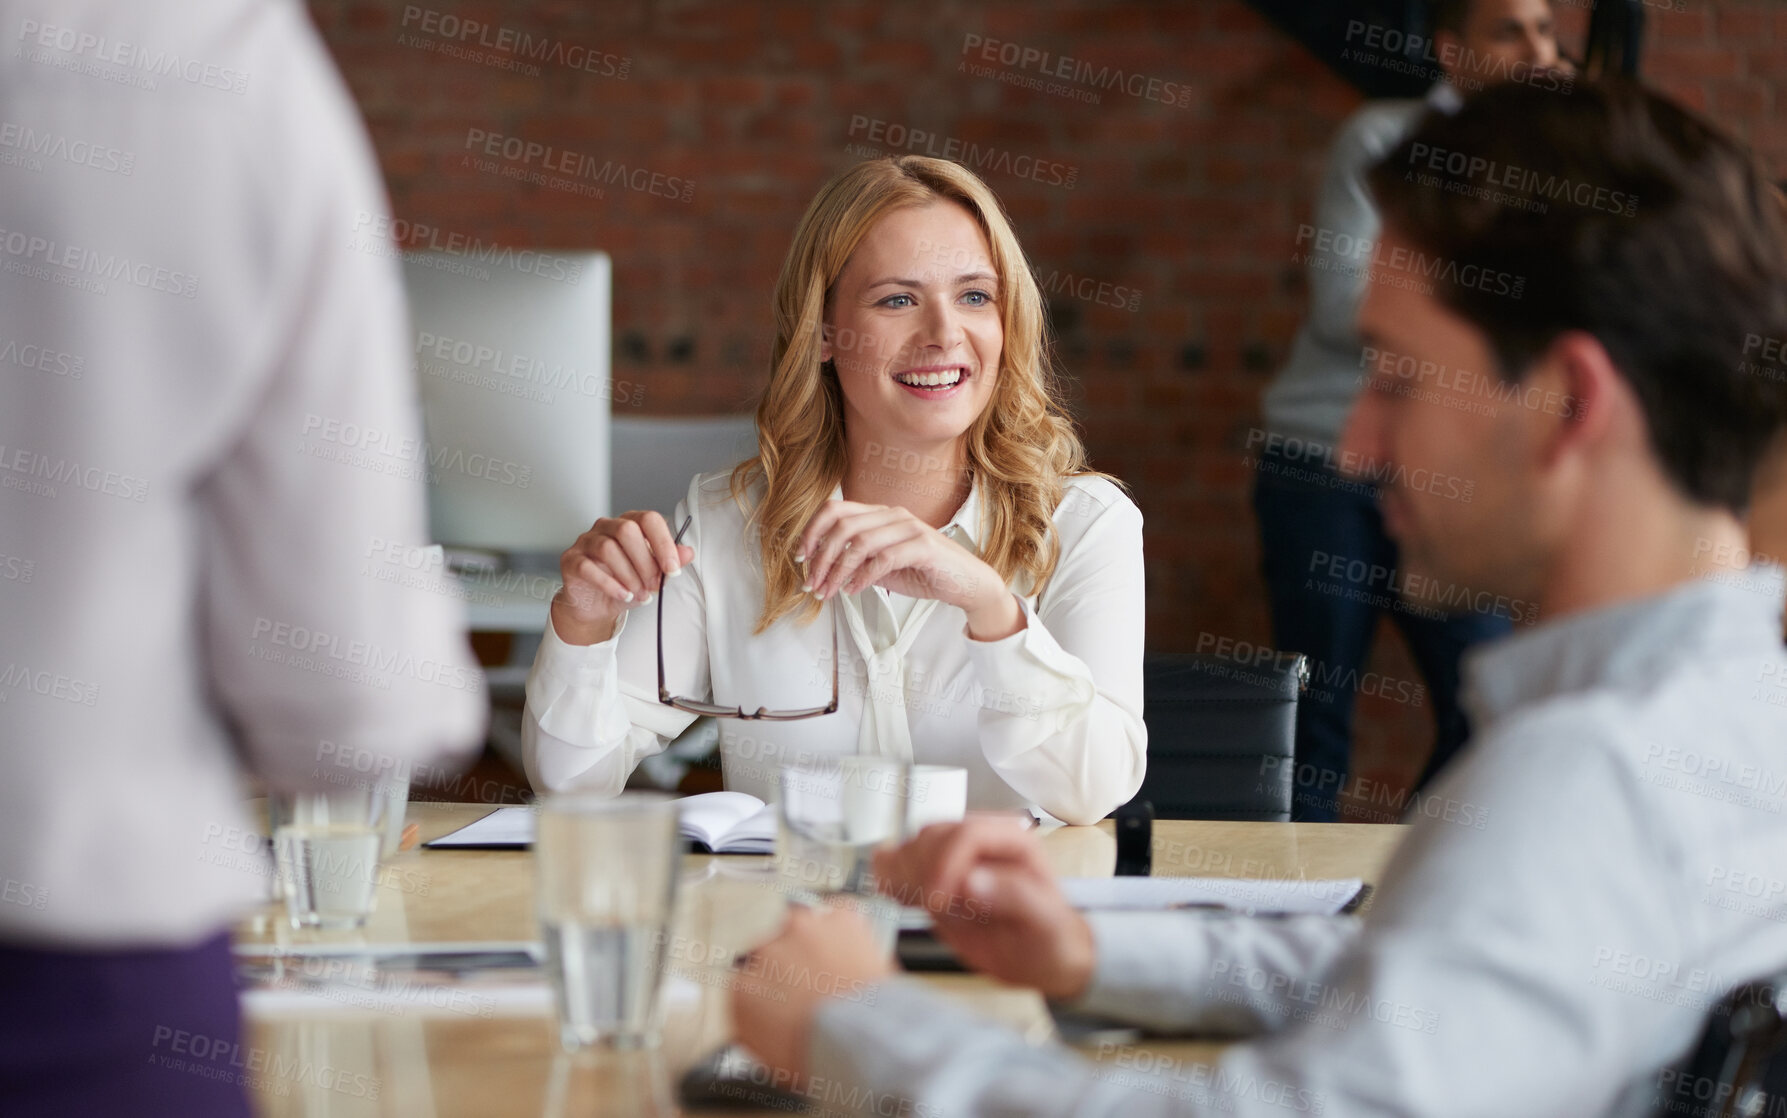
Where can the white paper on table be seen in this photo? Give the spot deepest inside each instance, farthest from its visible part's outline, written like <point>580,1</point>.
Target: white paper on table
<point>504,827</point>
<point>1293,896</point>
<point>473,978</point>
<point>725,822</point>
<point>518,1000</point>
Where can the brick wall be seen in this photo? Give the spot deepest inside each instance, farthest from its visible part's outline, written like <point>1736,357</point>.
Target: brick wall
<point>1192,204</point>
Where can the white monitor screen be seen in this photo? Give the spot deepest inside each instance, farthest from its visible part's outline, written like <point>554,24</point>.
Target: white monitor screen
<point>512,359</point>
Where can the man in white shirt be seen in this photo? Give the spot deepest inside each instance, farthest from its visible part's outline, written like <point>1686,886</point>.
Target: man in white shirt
<point>185,584</point>
<point>1552,949</point>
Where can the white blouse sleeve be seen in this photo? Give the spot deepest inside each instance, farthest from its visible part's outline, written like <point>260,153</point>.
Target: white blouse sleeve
<point>593,712</point>
<point>1061,707</point>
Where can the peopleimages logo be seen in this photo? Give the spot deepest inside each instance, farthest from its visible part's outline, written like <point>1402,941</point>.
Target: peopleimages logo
<point>1462,386</point>
<point>1771,349</point>
<point>22,678</point>
<point>43,359</point>
<point>353,658</point>
<point>1423,56</point>
<point>404,455</point>
<point>520,369</point>
<point>981,160</point>
<point>1414,589</point>
<point>26,249</point>
<point>416,237</point>
<point>1078,71</point>
<point>1399,265</point>
<point>149,62</point>
<point>576,167</point>
<point>38,473</point>
<point>226,1060</point>
<point>508,44</point>
<point>28,141</point>
<point>1507,176</point>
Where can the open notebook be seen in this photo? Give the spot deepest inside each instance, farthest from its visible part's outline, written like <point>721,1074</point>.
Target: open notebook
<point>717,822</point>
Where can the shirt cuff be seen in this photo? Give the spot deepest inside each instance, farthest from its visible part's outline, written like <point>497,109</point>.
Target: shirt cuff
<point>1128,962</point>
<point>873,1048</point>
<point>578,664</point>
<point>1028,674</point>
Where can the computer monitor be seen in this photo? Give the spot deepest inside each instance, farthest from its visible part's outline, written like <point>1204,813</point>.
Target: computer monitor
<point>512,359</point>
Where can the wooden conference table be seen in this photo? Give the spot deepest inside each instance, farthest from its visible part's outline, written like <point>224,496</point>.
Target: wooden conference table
<point>482,1056</point>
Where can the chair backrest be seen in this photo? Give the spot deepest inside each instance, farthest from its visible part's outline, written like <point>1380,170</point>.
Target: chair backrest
<point>655,457</point>
<point>1738,1068</point>
<point>1221,735</point>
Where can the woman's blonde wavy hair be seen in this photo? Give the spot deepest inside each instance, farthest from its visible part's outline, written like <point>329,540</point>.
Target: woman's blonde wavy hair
<point>1019,449</point>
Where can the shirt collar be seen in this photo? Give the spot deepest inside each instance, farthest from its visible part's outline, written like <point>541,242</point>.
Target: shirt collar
<point>964,526</point>
<point>1629,645</point>
<point>1444,97</point>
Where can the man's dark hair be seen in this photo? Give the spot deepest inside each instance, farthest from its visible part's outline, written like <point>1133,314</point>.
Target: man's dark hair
<point>1451,15</point>
<point>1620,214</point>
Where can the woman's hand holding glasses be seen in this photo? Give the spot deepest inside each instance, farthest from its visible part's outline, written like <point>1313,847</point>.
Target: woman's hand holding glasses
<point>850,546</point>
<point>613,567</point>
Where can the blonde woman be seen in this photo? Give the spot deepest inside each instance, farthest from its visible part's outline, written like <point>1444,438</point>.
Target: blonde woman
<point>919,503</point>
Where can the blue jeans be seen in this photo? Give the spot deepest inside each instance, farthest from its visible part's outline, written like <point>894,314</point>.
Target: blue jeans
<point>1329,569</point>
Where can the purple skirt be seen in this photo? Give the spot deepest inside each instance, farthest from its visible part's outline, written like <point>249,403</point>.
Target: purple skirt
<point>135,1033</point>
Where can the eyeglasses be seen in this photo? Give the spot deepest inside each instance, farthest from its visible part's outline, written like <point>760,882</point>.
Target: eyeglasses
<point>713,711</point>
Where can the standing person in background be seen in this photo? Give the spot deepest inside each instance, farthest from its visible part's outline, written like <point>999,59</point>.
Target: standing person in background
<point>183,328</point>
<point>1318,527</point>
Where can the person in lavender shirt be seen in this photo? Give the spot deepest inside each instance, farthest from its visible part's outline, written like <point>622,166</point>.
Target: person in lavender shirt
<point>183,550</point>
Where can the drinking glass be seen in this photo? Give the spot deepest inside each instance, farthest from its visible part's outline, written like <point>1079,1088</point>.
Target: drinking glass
<point>397,802</point>
<point>939,794</point>
<point>326,852</point>
<point>606,876</point>
<point>834,813</point>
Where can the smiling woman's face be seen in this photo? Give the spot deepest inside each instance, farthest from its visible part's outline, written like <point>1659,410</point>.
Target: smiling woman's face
<point>914,329</point>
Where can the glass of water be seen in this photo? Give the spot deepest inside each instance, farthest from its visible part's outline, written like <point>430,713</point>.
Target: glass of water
<point>326,852</point>
<point>606,873</point>
<point>397,802</point>
<point>834,813</point>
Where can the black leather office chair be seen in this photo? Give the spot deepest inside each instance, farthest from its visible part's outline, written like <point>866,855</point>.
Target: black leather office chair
<point>1221,735</point>
<point>1738,1069</point>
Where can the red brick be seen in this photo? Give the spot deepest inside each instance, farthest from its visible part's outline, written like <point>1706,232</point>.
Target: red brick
<point>1693,62</point>
<point>1736,25</point>
<point>1693,24</point>
<point>1745,99</point>
<point>753,99</point>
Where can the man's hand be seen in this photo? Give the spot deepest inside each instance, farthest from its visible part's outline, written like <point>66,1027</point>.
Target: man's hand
<point>781,985</point>
<point>994,900</point>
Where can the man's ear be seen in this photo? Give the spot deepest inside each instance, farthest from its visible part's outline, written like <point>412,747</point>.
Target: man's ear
<point>1576,392</point>
<point>1768,504</point>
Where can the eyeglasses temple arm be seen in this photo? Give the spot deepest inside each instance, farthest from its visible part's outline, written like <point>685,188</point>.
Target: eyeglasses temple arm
<point>834,664</point>
<point>663,688</point>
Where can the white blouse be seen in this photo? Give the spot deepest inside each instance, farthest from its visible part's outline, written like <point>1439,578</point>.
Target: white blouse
<point>1049,717</point>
